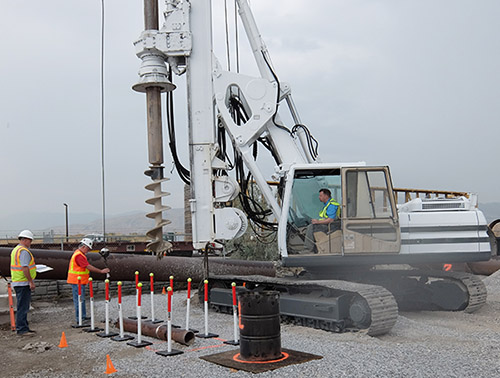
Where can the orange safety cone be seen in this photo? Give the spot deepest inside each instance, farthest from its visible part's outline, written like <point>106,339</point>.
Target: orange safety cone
<point>110,369</point>
<point>163,291</point>
<point>63,343</point>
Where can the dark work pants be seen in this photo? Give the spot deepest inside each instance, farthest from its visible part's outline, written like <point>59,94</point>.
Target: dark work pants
<point>74,288</point>
<point>310,243</point>
<point>23,297</point>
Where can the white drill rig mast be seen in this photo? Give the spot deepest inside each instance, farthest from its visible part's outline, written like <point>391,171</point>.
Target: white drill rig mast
<point>185,42</point>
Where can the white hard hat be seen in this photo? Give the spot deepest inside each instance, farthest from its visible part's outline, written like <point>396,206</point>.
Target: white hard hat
<point>87,242</point>
<point>25,234</point>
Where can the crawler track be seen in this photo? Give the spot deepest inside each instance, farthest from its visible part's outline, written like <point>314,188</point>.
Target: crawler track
<point>476,289</point>
<point>340,305</point>
<point>430,290</point>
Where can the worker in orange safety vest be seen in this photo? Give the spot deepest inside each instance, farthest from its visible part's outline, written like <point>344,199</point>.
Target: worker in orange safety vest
<point>80,267</point>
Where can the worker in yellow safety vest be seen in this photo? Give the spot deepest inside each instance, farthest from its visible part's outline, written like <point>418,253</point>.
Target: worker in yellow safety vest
<point>329,213</point>
<point>23,273</point>
<point>80,267</point>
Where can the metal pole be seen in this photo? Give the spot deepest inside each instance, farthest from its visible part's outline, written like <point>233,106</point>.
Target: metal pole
<point>120,312</point>
<point>206,306</point>
<point>92,328</point>
<point>139,334</point>
<point>235,313</point>
<point>106,325</point>
<point>153,99</point>
<point>121,336</point>
<point>151,275</point>
<point>139,343</point>
<point>106,332</point>
<point>188,303</point>
<point>169,320</point>
<point>79,301</point>
<point>151,14</point>
<point>207,335</point>
<point>67,228</point>
<point>92,322</point>
<point>169,351</point>
<point>235,318</point>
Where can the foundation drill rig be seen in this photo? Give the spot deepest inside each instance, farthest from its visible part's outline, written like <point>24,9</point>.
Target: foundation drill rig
<point>343,285</point>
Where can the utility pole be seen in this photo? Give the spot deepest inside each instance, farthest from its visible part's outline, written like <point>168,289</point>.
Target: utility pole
<point>67,228</point>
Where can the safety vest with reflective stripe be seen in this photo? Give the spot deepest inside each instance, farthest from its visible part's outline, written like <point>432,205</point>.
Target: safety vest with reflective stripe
<point>322,213</point>
<point>16,270</point>
<point>75,270</point>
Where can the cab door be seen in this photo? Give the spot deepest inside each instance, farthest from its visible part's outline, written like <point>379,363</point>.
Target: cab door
<point>370,223</point>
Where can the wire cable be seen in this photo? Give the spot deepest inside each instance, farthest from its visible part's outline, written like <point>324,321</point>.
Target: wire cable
<point>277,93</point>
<point>183,172</point>
<point>312,143</point>
<point>227,36</point>
<point>236,36</point>
<point>102,127</point>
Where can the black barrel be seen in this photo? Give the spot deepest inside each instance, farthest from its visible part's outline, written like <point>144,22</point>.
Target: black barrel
<point>260,335</point>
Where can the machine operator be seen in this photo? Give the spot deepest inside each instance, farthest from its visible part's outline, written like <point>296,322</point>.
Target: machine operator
<point>325,223</point>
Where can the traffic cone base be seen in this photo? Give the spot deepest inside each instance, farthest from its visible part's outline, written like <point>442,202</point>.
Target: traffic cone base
<point>110,369</point>
<point>63,343</point>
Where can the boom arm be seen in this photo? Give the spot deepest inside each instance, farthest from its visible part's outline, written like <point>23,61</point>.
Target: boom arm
<point>185,43</point>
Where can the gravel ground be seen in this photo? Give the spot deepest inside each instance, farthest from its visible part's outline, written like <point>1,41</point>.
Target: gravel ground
<point>421,344</point>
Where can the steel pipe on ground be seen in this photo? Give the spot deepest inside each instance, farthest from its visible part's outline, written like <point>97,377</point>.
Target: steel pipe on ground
<point>158,331</point>
<point>485,267</point>
<point>123,266</point>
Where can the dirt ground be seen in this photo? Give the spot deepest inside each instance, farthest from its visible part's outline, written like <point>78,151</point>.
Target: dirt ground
<point>471,338</point>
<point>49,320</point>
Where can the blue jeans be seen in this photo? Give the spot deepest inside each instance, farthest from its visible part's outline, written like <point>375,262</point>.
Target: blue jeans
<point>74,288</point>
<point>23,296</point>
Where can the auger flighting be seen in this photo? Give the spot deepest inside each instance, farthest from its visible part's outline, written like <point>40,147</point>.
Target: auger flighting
<point>153,81</point>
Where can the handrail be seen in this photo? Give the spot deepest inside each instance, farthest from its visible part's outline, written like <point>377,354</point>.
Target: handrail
<point>410,194</point>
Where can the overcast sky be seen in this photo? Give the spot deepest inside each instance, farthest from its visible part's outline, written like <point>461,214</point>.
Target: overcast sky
<point>410,84</point>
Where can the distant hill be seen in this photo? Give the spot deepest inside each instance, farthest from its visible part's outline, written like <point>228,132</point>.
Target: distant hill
<point>13,223</point>
<point>128,223</point>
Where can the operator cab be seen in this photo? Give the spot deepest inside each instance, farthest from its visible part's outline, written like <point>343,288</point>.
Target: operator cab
<point>366,224</point>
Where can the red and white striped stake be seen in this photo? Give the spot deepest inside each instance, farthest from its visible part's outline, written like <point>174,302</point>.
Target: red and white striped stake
<point>79,301</point>
<point>139,326</point>
<point>91,291</point>
<point>188,304</point>
<point>139,343</point>
<point>206,306</point>
<point>151,278</point>
<point>137,291</point>
<point>169,351</point>
<point>235,312</point>
<point>106,308</point>
<point>120,311</point>
<point>235,318</point>
<point>169,319</point>
<point>120,336</point>
<point>206,335</point>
